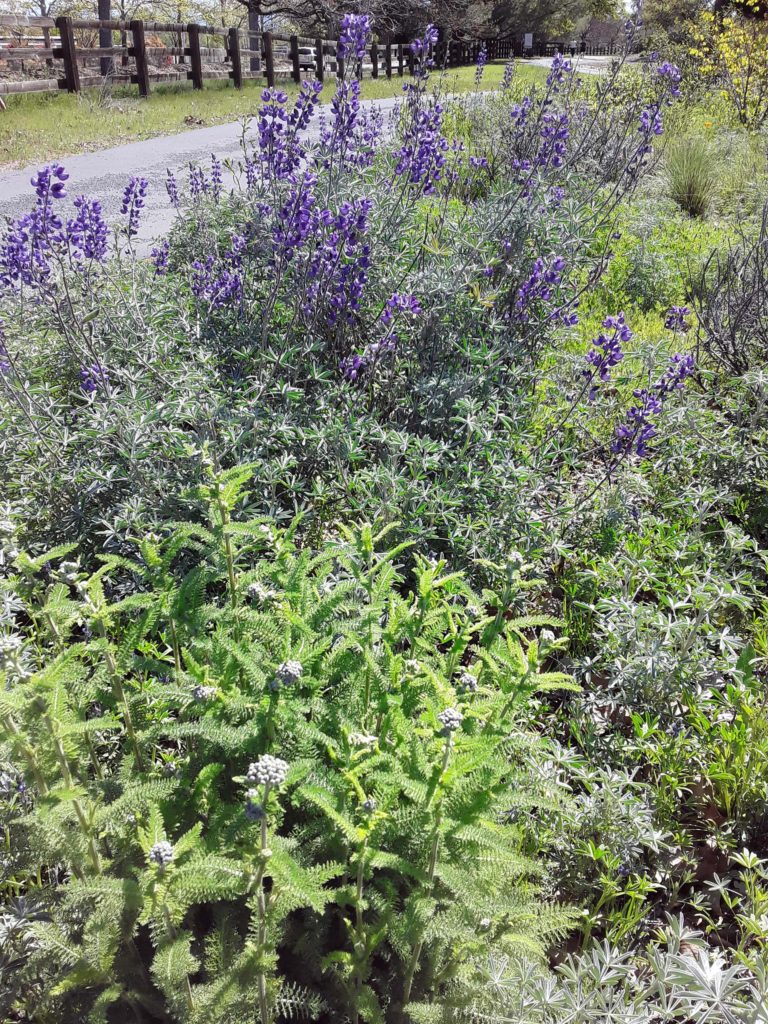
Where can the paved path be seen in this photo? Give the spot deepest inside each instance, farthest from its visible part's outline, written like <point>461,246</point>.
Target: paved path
<point>104,175</point>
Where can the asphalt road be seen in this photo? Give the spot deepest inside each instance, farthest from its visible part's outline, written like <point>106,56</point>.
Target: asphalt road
<point>104,175</point>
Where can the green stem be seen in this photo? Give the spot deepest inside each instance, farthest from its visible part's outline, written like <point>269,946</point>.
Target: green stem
<point>27,752</point>
<point>228,552</point>
<point>359,933</point>
<point>61,757</point>
<point>433,858</point>
<point>261,903</point>
<point>119,693</point>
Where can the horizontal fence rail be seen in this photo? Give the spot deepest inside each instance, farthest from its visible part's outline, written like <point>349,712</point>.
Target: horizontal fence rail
<point>71,59</point>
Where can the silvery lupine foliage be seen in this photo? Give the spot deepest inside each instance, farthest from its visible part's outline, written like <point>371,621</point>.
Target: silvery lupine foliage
<point>370,254</point>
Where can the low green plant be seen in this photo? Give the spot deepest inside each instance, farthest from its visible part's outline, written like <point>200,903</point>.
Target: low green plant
<point>246,774</point>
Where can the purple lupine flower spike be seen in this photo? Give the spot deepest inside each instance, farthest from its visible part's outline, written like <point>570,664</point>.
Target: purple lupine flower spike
<point>133,203</point>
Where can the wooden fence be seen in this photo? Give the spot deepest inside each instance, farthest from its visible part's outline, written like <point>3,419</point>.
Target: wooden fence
<point>198,52</point>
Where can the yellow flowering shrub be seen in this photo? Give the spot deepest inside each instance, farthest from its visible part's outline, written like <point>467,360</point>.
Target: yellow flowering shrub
<point>733,51</point>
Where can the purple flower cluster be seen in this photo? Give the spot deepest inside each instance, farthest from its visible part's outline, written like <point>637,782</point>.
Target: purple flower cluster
<point>482,60</point>
<point>560,68</point>
<point>295,220</point>
<point>634,435</point>
<point>93,377</point>
<point>555,130</point>
<point>676,319</point>
<point>220,282</point>
<point>29,242</point>
<point>607,352</point>
<point>421,158</point>
<point>538,286</point>
<point>160,254</point>
<point>509,74</point>
<point>354,35</point>
<point>88,232</point>
<point>354,366</point>
<point>351,139</point>
<point>338,268</point>
<point>216,177</point>
<point>672,74</point>
<point>172,188</point>
<point>279,149</point>
<point>133,202</point>
<point>422,51</point>
<point>199,185</point>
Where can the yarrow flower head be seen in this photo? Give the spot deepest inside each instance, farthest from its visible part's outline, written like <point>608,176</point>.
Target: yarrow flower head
<point>133,202</point>
<point>268,771</point>
<point>161,854</point>
<point>467,683</point>
<point>260,594</point>
<point>451,720</point>
<point>203,693</point>
<point>287,674</point>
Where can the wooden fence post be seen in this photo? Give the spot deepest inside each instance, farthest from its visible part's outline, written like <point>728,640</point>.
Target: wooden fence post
<point>319,60</point>
<point>400,59</point>
<point>71,71</point>
<point>388,59</point>
<point>234,55</point>
<point>195,57</point>
<point>374,61</point>
<point>104,8</point>
<point>339,63</point>
<point>139,49</point>
<point>411,61</point>
<point>294,53</point>
<point>269,59</point>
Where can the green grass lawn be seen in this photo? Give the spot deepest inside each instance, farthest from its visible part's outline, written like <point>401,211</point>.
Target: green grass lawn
<point>46,125</point>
